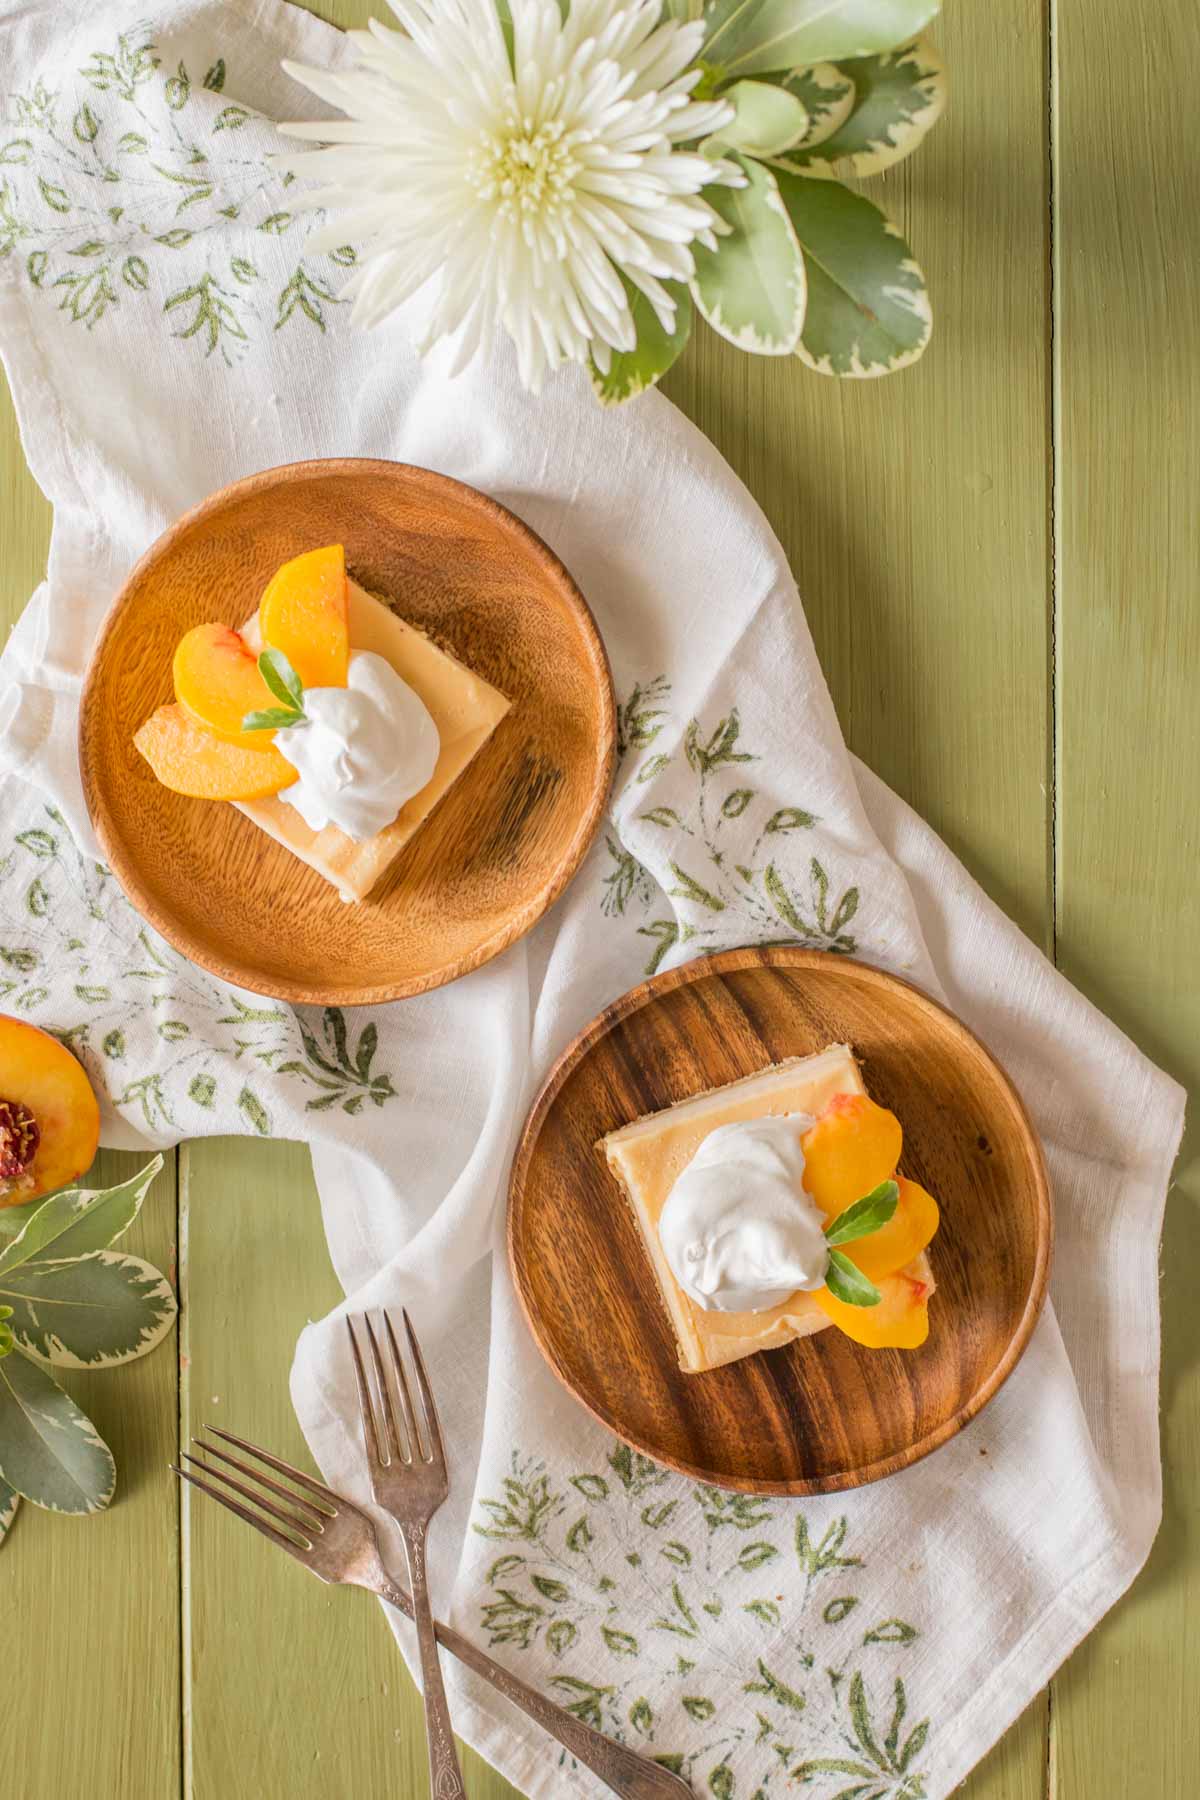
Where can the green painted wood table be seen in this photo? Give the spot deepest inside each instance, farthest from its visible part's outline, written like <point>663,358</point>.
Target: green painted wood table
<point>998,553</point>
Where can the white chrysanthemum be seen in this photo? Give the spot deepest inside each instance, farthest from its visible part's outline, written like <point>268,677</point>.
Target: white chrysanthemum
<point>524,193</point>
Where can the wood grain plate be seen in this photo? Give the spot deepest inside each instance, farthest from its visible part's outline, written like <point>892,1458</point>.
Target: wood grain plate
<point>498,849</point>
<point>821,1414</point>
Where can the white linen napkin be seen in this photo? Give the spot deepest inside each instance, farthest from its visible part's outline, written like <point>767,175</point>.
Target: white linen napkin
<point>165,330</point>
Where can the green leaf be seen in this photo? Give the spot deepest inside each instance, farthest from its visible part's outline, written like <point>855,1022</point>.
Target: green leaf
<point>50,1452</point>
<point>203,1090</point>
<point>79,1220</point>
<point>272,718</point>
<point>868,311</point>
<point>135,273</point>
<point>827,95</point>
<point>282,679</point>
<point>55,197</point>
<point>255,1112</point>
<point>276,223</point>
<point>631,372</point>
<point>619,1642</point>
<point>214,81</point>
<point>848,1284</point>
<point>892,1631</point>
<point>898,97</point>
<point>86,125</point>
<point>592,1487</point>
<point>698,1706</point>
<point>753,37</point>
<point>751,288</point>
<point>561,1636</point>
<point>866,1215</point>
<point>768,119</point>
<point>839,1609</point>
<point>232,118</point>
<point>549,1589</point>
<point>753,1556</point>
<point>9,1502</point>
<point>90,1311</point>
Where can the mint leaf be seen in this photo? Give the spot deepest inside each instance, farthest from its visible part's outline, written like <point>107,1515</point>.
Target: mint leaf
<point>848,1284</point>
<point>272,718</point>
<point>282,679</point>
<point>865,1216</point>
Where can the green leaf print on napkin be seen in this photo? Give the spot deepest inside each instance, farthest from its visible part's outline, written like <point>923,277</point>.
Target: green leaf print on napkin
<point>725,855</point>
<point>142,182</point>
<point>625,1579</point>
<point>206,1048</point>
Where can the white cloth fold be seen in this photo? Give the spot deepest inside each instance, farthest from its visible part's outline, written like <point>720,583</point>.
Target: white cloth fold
<point>878,1641</point>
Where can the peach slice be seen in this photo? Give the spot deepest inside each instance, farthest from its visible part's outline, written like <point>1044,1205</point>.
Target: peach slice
<point>49,1119</point>
<point>853,1146</point>
<point>190,760</point>
<point>303,613</point>
<point>900,1321</point>
<point>218,683</point>
<point>905,1235</point>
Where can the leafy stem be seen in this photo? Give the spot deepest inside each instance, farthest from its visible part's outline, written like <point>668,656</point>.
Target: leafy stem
<point>287,688</point>
<point>844,1281</point>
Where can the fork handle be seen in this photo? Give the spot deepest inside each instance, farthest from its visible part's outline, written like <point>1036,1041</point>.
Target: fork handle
<point>445,1775</point>
<point>627,1772</point>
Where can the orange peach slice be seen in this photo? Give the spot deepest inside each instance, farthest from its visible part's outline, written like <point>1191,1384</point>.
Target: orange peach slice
<point>303,613</point>
<point>853,1146</point>
<point>218,683</point>
<point>49,1119</point>
<point>905,1235</point>
<point>899,1322</point>
<point>190,760</point>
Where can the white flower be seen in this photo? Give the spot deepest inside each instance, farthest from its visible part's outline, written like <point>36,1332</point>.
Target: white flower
<point>527,195</point>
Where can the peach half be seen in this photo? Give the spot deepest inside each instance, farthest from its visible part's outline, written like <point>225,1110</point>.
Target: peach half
<point>49,1119</point>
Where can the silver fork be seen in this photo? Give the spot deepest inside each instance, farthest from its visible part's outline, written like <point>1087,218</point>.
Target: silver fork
<point>337,1542</point>
<point>409,1481</point>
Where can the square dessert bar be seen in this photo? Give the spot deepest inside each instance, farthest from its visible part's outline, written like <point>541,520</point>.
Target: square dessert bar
<point>648,1156</point>
<point>466,710</point>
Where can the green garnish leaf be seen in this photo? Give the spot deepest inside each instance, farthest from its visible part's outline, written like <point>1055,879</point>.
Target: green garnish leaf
<point>282,679</point>
<point>865,1216</point>
<point>274,718</point>
<point>848,1284</point>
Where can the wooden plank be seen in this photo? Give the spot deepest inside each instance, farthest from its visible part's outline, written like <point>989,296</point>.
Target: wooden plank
<point>91,1606</point>
<point>1128,297</point>
<point>293,1687</point>
<point>95,1602</point>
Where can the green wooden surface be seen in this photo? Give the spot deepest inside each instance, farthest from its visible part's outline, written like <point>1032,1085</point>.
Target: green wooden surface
<point>998,553</point>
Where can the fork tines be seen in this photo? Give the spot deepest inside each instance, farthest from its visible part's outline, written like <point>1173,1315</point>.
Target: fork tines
<point>396,1430</point>
<point>296,1525</point>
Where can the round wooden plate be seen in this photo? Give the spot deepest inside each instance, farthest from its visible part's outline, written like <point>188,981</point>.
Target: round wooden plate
<point>494,854</point>
<point>823,1413</point>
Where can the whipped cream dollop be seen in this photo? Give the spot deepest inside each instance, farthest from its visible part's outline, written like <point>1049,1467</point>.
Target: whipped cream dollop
<point>361,751</point>
<point>738,1228</point>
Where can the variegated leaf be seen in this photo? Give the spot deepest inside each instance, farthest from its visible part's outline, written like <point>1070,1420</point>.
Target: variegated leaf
<point>79,1220</point>
<point>751,289</point>
<point>768,119</point>
<point>826,94</point>
<point>631,372</point>
<point>753,37</point>
<point>868,311</point>
<point>898,97</point>
<point>50,1452</point>
<point>9,1502</point>
<point>91,1312</point>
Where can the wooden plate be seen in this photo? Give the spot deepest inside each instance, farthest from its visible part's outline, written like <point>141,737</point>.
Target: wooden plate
<point>821,1414</point>
<point>494,854</point>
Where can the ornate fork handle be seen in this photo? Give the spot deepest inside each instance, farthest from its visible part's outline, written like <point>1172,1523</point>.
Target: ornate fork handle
<point>632,1776</point>
<point>445,1776</point>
